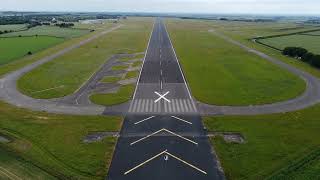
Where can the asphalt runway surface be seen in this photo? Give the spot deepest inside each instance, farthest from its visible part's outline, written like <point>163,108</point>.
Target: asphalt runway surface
<point>162,136</point>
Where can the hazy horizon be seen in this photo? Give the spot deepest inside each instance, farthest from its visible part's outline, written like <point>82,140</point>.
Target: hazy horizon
<point>250,7</point>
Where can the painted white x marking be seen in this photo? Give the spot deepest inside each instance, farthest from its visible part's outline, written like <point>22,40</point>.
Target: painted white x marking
<point>162,96</point>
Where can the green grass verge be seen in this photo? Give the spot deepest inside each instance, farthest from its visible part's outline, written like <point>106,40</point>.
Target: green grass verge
<point>137,63</point>
<point>132,74</point>
<point>311,43</point>
<point>125,59</point>
<point>119,67</point>
<point>54,142</point>
<point>49,31</point>
<point>221,73</point>
<point>14,167</point>
<point>13,48</point>
<point>123,95</point>
<point>74,68</point>
<point>273,141</point>
<point>110,79</point>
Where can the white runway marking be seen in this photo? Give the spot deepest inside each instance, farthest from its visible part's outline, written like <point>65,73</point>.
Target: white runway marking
<point>166,158</point>
<point>48,89</point>
<point>165,130</point>
<point>162,97</point>
<point>181,120</point>
<point>144,120</point>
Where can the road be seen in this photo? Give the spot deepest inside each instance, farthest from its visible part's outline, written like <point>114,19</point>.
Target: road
<point>162,136</point>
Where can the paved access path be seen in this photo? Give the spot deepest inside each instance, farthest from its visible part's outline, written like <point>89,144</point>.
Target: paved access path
<point>162,136</point>
<point>10,94</point>
<point>310,97</point>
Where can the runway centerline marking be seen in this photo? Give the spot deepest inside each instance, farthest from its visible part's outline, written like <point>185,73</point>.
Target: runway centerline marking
<point>161,130</point>
<point>146,119</point>
<point>166,153</point>
<point>162,96</point>
<point>181,120</point>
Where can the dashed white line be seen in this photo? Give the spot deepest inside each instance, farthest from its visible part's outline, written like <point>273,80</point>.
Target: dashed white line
<point>181,120</point>
<point>165,130</point>
<point>144,120</point>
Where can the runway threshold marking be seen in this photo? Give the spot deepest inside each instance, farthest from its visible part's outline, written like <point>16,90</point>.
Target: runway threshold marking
<point>162,96</point>
<point>146,119</point>
<point>181,120</point>
<point>166,159</point>
<point>161,130</point>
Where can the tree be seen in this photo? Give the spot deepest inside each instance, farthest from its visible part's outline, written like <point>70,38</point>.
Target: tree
<point>315,61</point>
<point>29,53</point>
<point>294,51</point>
<point>307,57</point>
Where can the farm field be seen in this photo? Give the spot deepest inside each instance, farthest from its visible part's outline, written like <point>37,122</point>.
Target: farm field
<point>49,31</point>
<point>71,70</point>
<point>13,48</point>
<point>38,138</point>
<point>273,142</point>
<point>17,63</point>
<point>13,27</point>
<point>12,167</point>
<point>311,43</point>
<point>221,73</point>
<point>315,33</point>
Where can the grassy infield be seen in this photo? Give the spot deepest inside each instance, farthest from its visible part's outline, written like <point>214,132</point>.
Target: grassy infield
<point>279,146</point>
<point>51,144</point>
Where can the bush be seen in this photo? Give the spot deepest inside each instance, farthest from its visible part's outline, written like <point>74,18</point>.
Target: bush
<point>307,57</point>
<point>315,61</point>
<point>29,53</point>
<point>294,51</point>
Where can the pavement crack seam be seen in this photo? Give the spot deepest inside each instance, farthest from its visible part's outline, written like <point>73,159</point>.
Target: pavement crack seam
<point>165,130</point>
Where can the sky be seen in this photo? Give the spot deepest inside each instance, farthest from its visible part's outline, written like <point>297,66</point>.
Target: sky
<point>303,7</point>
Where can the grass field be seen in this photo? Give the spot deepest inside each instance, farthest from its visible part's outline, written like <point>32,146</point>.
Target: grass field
<point>54,142</point>
<point>311,43</point>
<point>49,31</point>
<point>221,73</point>
<point>74,68</point>
<point>110,79</point>
<point>273,142</point>
<point>123,95</point>
<point>13,167</point>
<point>13,48</point>
<point>132,74</point>
<point>13,27</point>
<point>120,67</point>
<point>316,33</point>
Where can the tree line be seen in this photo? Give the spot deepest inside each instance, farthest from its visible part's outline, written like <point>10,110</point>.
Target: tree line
<point>303,55</point>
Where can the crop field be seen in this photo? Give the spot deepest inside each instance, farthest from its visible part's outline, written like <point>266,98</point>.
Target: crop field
<point>12,167</point>
<point>49,31</point>
<point>38,136</point>
<point>273,142</point>
<point>13,27</point>
<point>74,68</point>
<point>311,43</point>
<point>13,48</point>
<point>221,73</point>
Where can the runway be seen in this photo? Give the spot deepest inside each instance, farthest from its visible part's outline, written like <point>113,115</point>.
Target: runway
<point>163,136</point>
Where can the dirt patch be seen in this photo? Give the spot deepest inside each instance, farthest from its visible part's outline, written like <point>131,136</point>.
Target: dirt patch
<point>99,136</point>
<point>229,137</point>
